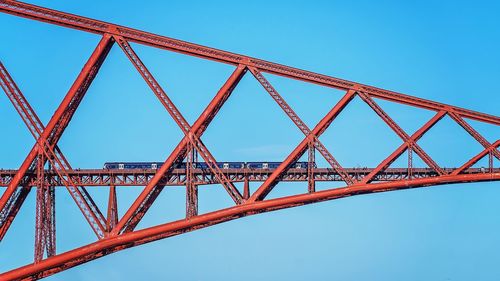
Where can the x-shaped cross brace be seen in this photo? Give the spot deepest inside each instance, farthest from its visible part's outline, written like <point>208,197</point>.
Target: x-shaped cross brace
<point>192,136</point>
<point>401,133</point>
<point>316,143</point>
<point>403,147</point>
<point>47,139</point>
<point>313,135</point>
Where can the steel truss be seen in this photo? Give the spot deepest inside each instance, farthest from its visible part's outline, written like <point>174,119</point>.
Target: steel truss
<point>45,167</point>
<point>181,177</point>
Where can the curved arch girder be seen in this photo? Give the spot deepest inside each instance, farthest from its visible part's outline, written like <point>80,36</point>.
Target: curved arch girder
<point>112,244</point>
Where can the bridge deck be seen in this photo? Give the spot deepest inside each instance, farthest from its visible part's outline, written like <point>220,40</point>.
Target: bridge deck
<point>141,177</point>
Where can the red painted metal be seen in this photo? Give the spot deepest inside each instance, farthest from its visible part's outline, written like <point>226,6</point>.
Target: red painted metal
<point>177,177</point>
<point>133,35</point>
<point>311,162</point>
<point>151,191</point>
<point>274,178</point>
<point>48,137</point>
<point>116,243</point>
<point>401,133</point>
<point>301,125</point>
<point>191,184</point>
<point>489,150</point>
<point>474,133</point>
<point>112,215</point>
<point>46,168</point>
<point>401,149</point>
<point>45,232</point>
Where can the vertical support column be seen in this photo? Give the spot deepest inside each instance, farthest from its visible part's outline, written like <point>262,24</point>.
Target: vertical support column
<point>490,161</point>
<point>112,216</point>
<point>410,162</point>
<point>310,168</point>
<point>191,186</point>
<point>40,210</point>
<point>50,218</point>
<point>246,188</point>
<point>45,229</point>
<point>50,225</point>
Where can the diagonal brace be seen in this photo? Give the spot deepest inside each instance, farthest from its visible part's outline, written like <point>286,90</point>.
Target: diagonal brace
<point>401,133</point>
<point>475,134</point>
<point>140,206</point>
<point>180,120</point>
<point>301,125</point>
<point>55,128</point>
<point>273,179</point>
<point>403,147</point>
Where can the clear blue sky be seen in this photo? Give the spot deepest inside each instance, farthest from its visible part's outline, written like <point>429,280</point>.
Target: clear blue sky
<point>446,51</point>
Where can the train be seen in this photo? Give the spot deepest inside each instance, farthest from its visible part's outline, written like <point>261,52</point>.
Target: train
<point>202,165</point>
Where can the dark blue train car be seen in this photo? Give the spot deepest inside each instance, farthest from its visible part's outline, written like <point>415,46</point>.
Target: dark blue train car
<point>202,165</point>
<point>262,165</point>
<point>236,165</point>
<point>137,165</point>
<point>271,165</point>
<point>274,165</point>
<point>254,165</point>
<point>110,165</point>
<point>231,165</point>
<point>132,165</point>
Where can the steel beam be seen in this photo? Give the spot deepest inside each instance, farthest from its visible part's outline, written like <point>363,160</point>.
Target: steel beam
<point>401,133</point>
<point>301,125</point>
<point>133,35</point>
<point>273,179</point>
<point>139,177</point>
<point>403,147</point>
<point>152,190</point>
<point>476,158</point>
<point>47,139</point>
<point>475,134</point>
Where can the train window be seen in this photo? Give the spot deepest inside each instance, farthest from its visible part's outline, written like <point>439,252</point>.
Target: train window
<point>121,166</point>
<point>225,166</point>
<point>265,165</point>
<point>154,166</point>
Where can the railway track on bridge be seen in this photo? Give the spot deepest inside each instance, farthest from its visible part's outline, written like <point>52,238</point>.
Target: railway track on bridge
<point>177,177</point>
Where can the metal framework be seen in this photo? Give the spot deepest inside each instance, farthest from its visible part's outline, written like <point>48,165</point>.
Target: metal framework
<point>45,167</point>
<point>180,177</point>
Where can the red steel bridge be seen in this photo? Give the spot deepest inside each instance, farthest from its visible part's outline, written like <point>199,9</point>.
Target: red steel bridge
<point>45,167</point>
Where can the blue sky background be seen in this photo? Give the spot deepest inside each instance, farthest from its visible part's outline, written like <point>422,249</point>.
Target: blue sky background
<point>446,51</point>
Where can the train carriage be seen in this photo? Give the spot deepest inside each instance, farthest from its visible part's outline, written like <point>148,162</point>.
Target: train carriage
<point>202,165</point>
